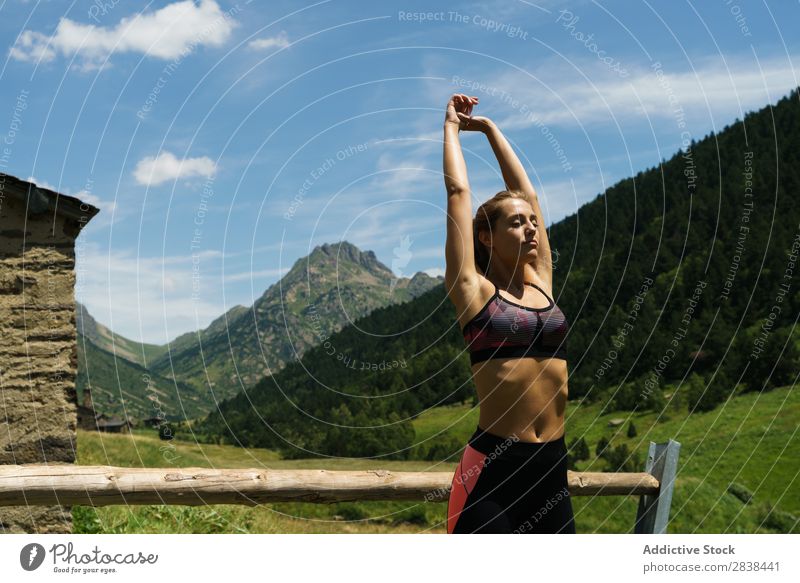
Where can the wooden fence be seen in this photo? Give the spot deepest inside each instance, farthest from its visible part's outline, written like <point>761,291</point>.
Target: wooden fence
<point>65,484</point>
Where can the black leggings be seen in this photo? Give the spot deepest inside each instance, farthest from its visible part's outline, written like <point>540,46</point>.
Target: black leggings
<point>503,485</point>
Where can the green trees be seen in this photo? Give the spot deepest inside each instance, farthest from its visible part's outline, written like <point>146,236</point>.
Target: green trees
<point>444,448</point>
<point>620,459</point>
<point>602,446</point>
<point>705,395</point>
<point>577,450</point>
<point>643,394</point>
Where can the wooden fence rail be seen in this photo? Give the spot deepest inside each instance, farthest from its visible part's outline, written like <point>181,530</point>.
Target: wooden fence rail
<point>106,485</point>
<point>65,484</point>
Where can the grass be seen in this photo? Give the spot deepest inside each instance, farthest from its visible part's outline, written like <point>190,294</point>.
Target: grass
<point>745,443</point>
<point>144,449</point>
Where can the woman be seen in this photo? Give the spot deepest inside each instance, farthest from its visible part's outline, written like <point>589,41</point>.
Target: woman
<point>512,477</point>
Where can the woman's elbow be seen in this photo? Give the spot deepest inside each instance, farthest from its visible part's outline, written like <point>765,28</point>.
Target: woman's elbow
<point>456,188</point>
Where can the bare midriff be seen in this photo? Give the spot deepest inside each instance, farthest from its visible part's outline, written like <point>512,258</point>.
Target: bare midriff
<point>522,398</point>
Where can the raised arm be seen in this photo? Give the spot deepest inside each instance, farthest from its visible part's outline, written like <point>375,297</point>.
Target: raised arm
<point>461,274</point>
<point>516,178</point>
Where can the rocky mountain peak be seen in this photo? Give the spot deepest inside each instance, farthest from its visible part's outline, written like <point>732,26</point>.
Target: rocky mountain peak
<point>344,251</point>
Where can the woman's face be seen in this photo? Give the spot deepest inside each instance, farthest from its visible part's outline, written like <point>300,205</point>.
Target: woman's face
<point>514,238</point>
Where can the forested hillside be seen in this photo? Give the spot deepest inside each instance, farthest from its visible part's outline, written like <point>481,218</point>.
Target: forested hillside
<point>717,231</point>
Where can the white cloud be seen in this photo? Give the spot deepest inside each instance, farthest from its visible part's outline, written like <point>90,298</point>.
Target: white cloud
<point>32,46</point>
<point>703,90</point>
<point>155,170</point>
<point>280,41</point>
<point>168,33</point>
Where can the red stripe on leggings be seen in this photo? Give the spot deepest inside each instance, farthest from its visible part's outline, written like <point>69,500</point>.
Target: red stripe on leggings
<point>464,481</point>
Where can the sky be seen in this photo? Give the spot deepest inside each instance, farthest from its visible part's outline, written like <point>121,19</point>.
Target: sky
<point>222,141</point>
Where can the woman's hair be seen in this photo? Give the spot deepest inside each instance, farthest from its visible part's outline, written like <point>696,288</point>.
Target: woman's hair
<point>485,219</point>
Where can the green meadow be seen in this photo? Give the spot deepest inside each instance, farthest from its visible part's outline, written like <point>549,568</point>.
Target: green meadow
<point>737,473</point>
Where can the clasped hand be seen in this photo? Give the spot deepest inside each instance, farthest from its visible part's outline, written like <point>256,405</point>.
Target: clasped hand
<point>459,111</point>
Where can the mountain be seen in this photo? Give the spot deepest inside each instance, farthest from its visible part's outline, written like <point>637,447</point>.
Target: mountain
<point>334,285</point>
<point>189,340</point>
<point>685,274</point>
<point>104,339</point>
<point>114,367</point>
<point>126,389</point>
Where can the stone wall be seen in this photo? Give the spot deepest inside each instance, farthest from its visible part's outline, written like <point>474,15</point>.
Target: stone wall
<point>38,353</point>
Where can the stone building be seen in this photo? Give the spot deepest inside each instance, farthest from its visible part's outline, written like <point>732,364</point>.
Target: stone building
<point>38,347</point>
<point>90,420</point>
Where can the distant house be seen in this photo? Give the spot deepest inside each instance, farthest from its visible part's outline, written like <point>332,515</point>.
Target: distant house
<point>114,425</point>
<point>90,420</point>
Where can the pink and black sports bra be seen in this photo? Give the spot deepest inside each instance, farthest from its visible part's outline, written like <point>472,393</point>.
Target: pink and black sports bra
<point>504,329</point>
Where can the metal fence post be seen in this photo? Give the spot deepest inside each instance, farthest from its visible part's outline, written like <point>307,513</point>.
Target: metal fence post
<point>652,516</point>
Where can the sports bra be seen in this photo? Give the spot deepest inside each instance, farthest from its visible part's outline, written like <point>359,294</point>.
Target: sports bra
<point>504,329</point>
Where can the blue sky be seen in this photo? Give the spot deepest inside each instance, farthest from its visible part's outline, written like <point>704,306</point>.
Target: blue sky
<point>223,140</point>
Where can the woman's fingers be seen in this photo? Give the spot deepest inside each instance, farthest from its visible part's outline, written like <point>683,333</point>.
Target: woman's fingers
<point>463,103</point>
<point>467,101</point>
